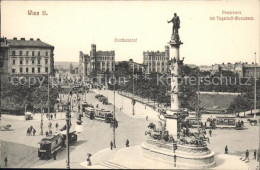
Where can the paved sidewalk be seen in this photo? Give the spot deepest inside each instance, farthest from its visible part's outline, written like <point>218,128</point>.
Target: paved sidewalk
<point>132,158</point>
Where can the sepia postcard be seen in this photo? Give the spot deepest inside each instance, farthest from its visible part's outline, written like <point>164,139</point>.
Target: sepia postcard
<point>130,84</point>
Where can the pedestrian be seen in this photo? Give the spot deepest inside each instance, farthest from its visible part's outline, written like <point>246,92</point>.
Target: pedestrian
<point>254,154</point>
<point>127,143</point>
<point>226,149</point>
<point>5,161</point>
<point>247,155</point>
<point>146,117</point>
<point>55,115</point>
<point>57,126</point>
<point>258,155</point>
<point>51,116</point>
<point>88,159</point>
<point>34,131</point>
<point>205,124</point>
<point>50,124</point>
<point>28,131</point>
<point>46,133</point>
<point>210,132</point>
<point>111,145</point>
<point>54,155</point>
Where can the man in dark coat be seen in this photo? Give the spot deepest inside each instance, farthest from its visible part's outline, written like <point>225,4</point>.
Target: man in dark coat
<point>111,145</point>
<point>127,143</point>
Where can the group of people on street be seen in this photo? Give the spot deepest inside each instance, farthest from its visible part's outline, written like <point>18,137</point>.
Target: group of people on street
<point>126,144</point>
<point>31,131</point>
<point>51,116</point>
<point>256,157</point>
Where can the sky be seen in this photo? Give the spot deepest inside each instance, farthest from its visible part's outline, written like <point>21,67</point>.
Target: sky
<point>72,26</point>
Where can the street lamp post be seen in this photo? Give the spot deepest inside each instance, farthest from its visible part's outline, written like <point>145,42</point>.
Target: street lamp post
<point>49,103</point>
<point>68,127</point>
<point>114,128</point>
<point>41,119</point>
<point>255,90</point>
<point>133,93</point>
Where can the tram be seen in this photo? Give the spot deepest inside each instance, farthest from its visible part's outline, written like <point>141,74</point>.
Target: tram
<point>226,122</point>
<point>90,112</point>
<point>103,115</point>
<point>49,145</point>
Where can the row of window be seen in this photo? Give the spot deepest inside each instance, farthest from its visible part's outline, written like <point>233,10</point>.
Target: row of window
<point>33,70</point>
<point>156,58</point>
<point>27,61</point>
<point>157,63</point>
<point>157,69</point>
<point>106,58</point>
<point>27,53</point>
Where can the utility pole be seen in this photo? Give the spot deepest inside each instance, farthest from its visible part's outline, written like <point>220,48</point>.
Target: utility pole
<point>133,92</point>
<point>114,128</point>
<point>122,99</point>
<point>255,90</point>
<point>68,127</point>
<point>49,103</point>
<point>41,119</point>
<point>198,102</point>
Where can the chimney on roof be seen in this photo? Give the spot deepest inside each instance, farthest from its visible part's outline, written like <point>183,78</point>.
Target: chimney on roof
<point>31,39</point>
<point>38,39</point>
<point>15,38</point>
<point>22,38</point>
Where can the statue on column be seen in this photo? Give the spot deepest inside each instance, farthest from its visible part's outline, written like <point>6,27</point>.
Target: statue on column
<point>176,24</point>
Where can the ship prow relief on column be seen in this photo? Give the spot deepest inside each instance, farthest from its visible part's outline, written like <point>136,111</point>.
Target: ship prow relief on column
<point>171,141</point>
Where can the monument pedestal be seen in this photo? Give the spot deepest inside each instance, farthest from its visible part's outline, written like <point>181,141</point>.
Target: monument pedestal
<point>185,156</point>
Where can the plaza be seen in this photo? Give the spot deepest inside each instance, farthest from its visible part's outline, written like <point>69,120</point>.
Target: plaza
<point>97,135</point>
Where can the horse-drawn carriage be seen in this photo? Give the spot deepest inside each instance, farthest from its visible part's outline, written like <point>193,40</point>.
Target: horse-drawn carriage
<point>253,122</point>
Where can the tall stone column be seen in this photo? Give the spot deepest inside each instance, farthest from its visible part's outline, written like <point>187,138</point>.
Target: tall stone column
<point>175,71</point>
<point>171,120</point>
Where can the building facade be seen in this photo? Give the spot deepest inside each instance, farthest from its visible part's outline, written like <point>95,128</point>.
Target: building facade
<point>30,57</point>
<point>250,69</point>
<point>136,67</point>
<point>157,61</point>
<point>242,69</point>
<point>99,61</point>
<point>4,56</point>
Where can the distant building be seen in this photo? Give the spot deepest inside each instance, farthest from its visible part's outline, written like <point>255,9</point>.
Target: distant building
<point>99,61</point>
<point>205,68</point>
<point>136,66</point>
<point>249,70</point>
<point>4,55</point>
<point>30,57</point>
<point>242,69</point>
<point>157,61</point>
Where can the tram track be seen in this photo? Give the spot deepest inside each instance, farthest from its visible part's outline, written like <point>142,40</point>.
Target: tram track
<point>31,162</point>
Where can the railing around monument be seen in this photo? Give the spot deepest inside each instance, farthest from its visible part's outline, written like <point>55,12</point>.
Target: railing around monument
<point>184,148</point>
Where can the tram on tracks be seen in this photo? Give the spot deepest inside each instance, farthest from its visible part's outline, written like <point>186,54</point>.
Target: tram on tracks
<point>103,115</point>
<point>90,112</point>
<point>49,145</point>
<point>226,122</point>
<point>54,143</point>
